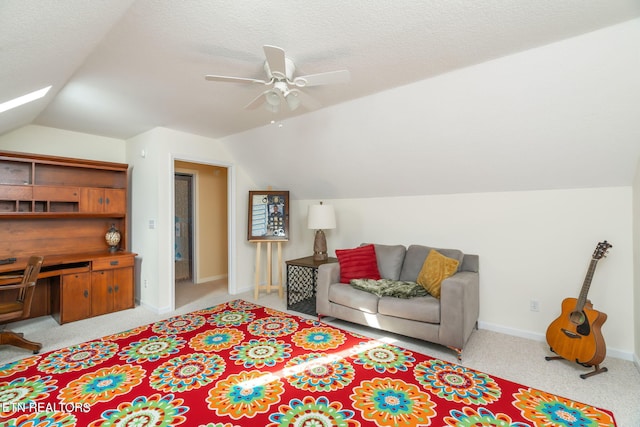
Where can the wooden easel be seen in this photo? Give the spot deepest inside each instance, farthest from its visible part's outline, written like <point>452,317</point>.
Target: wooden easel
<point>269,285</point>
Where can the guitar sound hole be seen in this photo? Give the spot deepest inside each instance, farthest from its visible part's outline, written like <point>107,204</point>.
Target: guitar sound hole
<point>580,319</point>
<point>577,317</point>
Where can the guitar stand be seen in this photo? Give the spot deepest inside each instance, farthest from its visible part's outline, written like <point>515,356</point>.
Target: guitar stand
<point>597,369</point>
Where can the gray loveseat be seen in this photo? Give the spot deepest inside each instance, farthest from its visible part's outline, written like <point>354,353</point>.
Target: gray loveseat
<point>448,321</point>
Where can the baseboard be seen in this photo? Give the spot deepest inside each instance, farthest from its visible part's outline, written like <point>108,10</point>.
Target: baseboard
<point>212,278</point>
<point>248,288</point>
<point>155,309</point>
<point>636,361</point>
<point>619,354</point>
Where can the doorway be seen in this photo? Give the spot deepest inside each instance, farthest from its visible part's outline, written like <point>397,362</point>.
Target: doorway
<point>183,226</point>
<point>201,235</point>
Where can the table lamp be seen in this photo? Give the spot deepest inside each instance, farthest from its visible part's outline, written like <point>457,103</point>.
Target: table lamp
<point>320,217</point>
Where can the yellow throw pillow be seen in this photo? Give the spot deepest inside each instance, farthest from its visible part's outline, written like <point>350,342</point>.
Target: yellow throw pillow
<point>435,269</point>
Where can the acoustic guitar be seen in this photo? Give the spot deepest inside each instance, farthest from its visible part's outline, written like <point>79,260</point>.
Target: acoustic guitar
<point>575,335</point>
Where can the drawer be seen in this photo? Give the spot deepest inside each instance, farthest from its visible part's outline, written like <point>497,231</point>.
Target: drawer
<point>112,262</point>
<point>16,192</point>
<point>56,193</point>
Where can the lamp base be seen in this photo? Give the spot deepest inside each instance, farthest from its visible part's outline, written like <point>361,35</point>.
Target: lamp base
<point>320,247</point>
<point>320,256</point>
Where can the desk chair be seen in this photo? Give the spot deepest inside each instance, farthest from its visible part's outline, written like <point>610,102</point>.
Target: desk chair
<point>20,308</point>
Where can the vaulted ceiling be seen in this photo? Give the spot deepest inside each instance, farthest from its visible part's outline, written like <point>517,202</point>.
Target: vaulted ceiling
<point>121,67</point>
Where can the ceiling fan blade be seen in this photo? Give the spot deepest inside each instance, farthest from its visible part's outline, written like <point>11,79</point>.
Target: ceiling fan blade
<point>227,79</point>
<point>275,60</point>
<point>330,77</point>
<point>304,99</point>
<point>257,101</point>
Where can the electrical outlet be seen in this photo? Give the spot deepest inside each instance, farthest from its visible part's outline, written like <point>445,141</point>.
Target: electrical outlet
<point>146,283</point>
<point>534,305</point>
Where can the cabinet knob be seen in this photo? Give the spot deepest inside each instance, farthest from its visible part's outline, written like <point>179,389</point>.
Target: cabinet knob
<point>114,262</point>
<point>86,293</point>
<point>116,288</point>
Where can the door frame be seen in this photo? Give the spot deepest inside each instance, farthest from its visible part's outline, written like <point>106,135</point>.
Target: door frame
<point>231,220</point>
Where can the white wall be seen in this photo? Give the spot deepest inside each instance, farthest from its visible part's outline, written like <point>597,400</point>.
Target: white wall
<point>532,245</point>
<point>56,142</point>
<point>152,199</point>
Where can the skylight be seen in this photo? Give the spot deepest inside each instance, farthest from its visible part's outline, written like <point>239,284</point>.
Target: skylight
<point>16,102</point>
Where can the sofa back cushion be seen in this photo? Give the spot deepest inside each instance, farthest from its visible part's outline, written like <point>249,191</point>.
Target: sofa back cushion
<point>415,257</point>
<point>390,259</point>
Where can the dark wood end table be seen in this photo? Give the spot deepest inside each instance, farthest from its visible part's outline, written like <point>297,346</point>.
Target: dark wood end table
<point>302,277</point>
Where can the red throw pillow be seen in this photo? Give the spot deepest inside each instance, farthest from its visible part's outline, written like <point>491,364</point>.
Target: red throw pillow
<point>358,263</point>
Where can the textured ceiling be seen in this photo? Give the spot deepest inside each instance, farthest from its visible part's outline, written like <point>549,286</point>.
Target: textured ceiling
<point>122,67</point>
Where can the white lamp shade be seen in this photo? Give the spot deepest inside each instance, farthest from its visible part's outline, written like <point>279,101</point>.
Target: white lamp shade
<point>321,217</point>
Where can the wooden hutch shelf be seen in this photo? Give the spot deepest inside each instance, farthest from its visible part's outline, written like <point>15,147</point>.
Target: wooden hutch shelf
<point>61,208</point>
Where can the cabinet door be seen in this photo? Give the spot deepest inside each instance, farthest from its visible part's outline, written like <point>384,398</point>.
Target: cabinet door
<point>123,288</point>
<point>103,200</point>
<point>76,297</point>
<point>101,292</point>
<point>91,199</point>
<point>115,201</point>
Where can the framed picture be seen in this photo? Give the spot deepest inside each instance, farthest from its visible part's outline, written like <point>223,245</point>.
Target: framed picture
<point>268,215</point>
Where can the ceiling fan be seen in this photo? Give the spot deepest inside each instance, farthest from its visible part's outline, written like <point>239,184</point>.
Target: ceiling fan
<point>283,86</point>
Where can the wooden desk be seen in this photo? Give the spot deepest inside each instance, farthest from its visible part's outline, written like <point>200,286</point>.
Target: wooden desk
<point>77,286</point>
<point>60,208</point>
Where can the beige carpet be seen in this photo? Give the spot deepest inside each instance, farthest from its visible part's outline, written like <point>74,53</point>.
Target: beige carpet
<point>509,357</point>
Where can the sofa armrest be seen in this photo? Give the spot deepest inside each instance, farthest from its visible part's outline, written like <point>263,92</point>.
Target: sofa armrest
<point>459,307</point>
<point>327,275</point>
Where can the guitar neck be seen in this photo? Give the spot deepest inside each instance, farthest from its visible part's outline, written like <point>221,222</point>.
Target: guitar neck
<point>582,299</point>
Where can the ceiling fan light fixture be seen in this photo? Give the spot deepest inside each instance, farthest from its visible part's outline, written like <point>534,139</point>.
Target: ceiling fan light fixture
<point>271,108</point>
<point>293,101</point>
<point>273,98</point>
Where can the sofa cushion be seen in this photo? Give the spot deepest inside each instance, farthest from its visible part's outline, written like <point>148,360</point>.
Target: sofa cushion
<point>358,263</point>
<point>390,288</point>
<point>436,268</point>
<point>421,309</point>
<point>351,297</point>
<point>415,257</point>
<point>390,258</point>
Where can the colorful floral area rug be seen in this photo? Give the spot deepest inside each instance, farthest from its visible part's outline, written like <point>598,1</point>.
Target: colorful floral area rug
<point>240,364</point>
